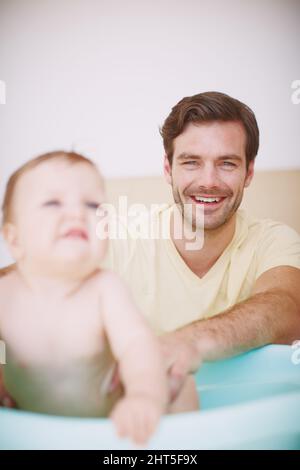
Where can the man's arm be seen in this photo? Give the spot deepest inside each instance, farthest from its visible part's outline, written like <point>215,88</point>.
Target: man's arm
<point>270,315</point>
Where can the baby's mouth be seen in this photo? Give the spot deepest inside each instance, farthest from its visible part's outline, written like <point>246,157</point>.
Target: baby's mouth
<point>76,233</point>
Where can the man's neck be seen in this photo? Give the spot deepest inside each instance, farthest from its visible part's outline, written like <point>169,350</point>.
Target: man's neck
<point>214,243</point>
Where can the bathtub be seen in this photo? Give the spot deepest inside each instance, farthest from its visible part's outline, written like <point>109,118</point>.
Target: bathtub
<point>248,402</point>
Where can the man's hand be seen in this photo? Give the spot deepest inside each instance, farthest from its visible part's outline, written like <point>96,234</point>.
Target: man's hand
<point>136,417</point>
<point>5,399</point>
<point>181,358</point>
<point>250,324</point>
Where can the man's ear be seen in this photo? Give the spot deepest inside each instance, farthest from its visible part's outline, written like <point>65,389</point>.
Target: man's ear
<point>9,232</point>
<point>250,174</point>
<point>167,170</point>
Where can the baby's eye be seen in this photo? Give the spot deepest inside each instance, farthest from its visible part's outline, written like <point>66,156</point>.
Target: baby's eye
<point>92,205</point>
<point>52,202</point>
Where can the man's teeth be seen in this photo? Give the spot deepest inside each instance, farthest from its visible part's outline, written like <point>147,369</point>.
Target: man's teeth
<point>207,199</point>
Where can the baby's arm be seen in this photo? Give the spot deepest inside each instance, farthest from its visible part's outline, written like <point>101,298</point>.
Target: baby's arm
<point>137,351</point>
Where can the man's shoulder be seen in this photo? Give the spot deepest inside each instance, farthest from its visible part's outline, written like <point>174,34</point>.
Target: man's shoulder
<point>136,235</point>
<point>273,243</point>
<point>261,228</point>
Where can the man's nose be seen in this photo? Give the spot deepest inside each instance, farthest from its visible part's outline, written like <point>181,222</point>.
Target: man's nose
<point>208,176</point>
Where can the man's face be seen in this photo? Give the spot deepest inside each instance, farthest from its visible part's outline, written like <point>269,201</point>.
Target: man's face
<point>55,215</point>
<point>209,161</point>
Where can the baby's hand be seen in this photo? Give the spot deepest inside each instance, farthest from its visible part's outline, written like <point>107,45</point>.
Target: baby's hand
<point>136,417</point>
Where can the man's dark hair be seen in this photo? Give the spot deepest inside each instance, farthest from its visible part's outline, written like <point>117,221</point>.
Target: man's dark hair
<point>208,107</point>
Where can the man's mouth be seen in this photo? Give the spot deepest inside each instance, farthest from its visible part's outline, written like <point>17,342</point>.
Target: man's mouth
<point>208,201</point>
<point>76,233</point>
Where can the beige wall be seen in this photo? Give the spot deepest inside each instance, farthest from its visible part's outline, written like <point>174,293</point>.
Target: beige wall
<point>272,194</point>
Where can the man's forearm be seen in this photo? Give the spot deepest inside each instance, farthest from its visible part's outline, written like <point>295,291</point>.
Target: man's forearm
<point>265,318</point>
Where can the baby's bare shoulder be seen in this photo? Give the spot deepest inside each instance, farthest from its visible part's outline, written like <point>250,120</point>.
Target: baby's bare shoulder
<point>110,279</point>
<point>7,279</point>
<point>7,270</point>
<point>7,289</point>
<point>112,288</point>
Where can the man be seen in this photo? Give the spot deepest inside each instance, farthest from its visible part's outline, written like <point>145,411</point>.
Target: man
<point>211,142</point>
<point>240,290</point>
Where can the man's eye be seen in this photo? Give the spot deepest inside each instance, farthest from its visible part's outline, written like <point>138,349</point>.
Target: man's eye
<point>52,202</point>
<point>191,163</point>
<point>229,164</point>
<point>92,205</point>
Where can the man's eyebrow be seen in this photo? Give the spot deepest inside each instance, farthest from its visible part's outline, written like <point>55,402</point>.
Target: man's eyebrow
<point>231,157</point>
<point>188,156</point>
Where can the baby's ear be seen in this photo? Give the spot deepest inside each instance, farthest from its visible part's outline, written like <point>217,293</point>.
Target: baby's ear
<point>9,232</point>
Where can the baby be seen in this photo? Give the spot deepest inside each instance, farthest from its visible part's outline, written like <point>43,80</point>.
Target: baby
<point>65,321</point>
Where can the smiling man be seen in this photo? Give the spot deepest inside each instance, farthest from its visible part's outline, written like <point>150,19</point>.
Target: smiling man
<point>246,276</point>
<point>240,288</point>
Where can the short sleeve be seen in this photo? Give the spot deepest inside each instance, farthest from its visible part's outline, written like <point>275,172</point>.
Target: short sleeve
<point>120,249</point>
<point>279,246</point>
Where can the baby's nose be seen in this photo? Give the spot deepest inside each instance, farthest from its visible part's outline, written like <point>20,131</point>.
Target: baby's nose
<point>75,211</point>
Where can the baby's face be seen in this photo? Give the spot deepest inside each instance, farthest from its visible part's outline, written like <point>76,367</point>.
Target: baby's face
<point>55,218</point>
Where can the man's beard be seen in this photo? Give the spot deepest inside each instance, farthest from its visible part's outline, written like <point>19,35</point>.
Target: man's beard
<point>196,221</point>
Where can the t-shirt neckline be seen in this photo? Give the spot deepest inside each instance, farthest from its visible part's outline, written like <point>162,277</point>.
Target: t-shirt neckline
<point>239,235</point>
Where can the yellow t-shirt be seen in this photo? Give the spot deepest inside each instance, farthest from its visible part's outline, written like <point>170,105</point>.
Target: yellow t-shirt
<point>171,295</point>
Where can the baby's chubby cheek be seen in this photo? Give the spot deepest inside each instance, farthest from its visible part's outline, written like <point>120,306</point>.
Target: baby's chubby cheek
<point>101,250</point>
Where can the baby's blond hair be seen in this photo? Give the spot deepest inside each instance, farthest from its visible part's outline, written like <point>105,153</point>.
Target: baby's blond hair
<point>69,157</point>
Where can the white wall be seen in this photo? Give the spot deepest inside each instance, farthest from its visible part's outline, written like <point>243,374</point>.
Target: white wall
<point>101,76</point>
